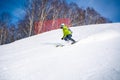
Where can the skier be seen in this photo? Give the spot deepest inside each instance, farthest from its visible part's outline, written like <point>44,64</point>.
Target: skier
<point>67,33</point>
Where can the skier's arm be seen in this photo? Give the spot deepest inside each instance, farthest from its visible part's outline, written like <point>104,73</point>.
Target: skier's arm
<point>64,34</point>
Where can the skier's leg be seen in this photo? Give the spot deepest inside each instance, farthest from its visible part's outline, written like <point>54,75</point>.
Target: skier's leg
<point>66,39</point>
<point>69,37</point>
<point>73,41</point>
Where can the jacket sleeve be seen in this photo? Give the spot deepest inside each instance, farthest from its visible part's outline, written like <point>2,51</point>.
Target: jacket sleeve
<point>65,33</point>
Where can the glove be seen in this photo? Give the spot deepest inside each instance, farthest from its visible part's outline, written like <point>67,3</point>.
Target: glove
<point>62,38</point>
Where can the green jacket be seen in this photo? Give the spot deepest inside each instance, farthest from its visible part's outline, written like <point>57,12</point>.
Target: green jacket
<point>66,31</point>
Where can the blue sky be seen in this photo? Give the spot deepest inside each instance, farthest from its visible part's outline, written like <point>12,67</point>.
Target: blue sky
<point>107,8</point>
<point>14,7</point>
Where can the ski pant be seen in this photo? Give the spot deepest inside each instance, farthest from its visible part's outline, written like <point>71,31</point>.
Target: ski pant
<point>68,37</point>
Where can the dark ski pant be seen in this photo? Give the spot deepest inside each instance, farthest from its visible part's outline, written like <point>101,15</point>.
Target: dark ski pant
<point>68,37</point>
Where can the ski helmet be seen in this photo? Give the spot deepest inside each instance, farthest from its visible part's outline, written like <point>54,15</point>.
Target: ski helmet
<point>62,25</point>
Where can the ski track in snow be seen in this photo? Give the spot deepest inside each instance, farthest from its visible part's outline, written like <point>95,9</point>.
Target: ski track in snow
<point>95,56</point>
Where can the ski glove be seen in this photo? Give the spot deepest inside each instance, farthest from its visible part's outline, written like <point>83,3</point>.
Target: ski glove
<point>62,38</point>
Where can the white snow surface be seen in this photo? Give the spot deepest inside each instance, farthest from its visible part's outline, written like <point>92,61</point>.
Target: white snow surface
<point>96,55</point>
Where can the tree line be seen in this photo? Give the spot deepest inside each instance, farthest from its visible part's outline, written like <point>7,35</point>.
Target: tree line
<point>41,10</point>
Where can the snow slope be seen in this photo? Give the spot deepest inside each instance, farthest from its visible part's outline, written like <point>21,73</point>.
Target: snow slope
<point>95,57</point>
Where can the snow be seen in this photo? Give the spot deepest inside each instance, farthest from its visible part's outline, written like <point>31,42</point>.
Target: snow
<point>95,56</point>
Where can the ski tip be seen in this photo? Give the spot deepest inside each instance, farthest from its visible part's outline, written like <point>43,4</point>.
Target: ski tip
<point>59,45</point>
